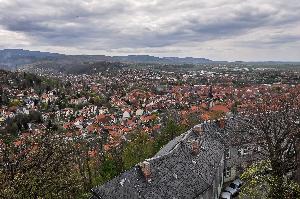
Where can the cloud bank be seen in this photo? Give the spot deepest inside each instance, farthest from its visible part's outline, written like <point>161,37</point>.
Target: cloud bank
<point>219,29</point>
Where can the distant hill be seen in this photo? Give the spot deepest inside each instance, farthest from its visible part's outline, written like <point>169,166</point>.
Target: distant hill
<point>73,67</point>
<point>164,60</point>
<point>14,58</point>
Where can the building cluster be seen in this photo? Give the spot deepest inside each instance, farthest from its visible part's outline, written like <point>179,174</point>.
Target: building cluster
<point>108,108</point>
<point>193,165</point>
<point>125,101</point>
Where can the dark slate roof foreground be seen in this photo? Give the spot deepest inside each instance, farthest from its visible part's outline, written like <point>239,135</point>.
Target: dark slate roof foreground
<point>175,171</point>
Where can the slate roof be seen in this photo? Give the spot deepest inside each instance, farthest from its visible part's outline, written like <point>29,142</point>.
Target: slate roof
<point>237,131</point>
<point>175,171</point>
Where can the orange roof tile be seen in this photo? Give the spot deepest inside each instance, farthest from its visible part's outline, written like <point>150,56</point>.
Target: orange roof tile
<point>205,116</point>
<point>220,108</point>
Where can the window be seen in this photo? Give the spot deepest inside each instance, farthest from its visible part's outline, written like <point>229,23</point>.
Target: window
<point>234,186</point>
<point>227,153</point>
<point>240,152</point>
<point>228,172</point>
<point>246,151</point>
<point>258,148</point>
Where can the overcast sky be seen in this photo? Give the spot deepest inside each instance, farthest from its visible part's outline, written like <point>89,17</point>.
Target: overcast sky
<point>216,29</point>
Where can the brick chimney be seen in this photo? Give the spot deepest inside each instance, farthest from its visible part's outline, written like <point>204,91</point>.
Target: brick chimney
<point>146,169</point>
<point>221,123</point>
<point>195,147</point>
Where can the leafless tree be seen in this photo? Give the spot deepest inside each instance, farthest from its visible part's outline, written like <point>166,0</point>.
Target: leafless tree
<point>276,123</point>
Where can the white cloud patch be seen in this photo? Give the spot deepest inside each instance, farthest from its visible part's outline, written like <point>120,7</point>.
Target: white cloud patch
<point>220,29</point>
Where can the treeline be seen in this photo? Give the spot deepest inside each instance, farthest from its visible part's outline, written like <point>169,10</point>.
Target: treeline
<point>56,164</point>
<point>43,166</point>
<point>79,67</point>
<point>25,82</point>
<point>18,124</point>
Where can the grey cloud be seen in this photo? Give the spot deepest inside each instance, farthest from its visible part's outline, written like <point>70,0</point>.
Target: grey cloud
<point>271,41</point>
<point>130,24</point>
<point>284,39</point>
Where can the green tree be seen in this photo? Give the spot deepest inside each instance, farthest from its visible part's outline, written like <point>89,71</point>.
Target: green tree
<point>193,119</point>
<point>43,166</point>
<point>138,150</point>
<point>108,168</point>
<point>35,116</point>
<point>14,102</point>
<point>260,181</point>
<point>168,133</point>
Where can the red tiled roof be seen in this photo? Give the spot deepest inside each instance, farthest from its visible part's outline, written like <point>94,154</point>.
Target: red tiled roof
<point>205,116</point>
<point>17,143</point>
<point>220,108</point>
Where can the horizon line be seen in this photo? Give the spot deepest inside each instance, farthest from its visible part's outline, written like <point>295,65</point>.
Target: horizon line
<point>180,57</point>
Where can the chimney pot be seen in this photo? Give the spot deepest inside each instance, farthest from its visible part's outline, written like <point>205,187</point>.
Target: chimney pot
<point>146,169</point>
<point>195,147</point>
<point>221,123</point>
